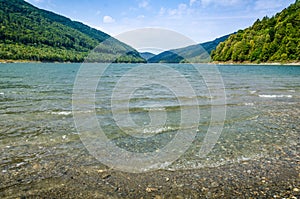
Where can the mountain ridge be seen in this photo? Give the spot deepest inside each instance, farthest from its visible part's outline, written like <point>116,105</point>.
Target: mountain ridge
<point>30,33</point>
<point>197,53</point>
<point>147,55</point>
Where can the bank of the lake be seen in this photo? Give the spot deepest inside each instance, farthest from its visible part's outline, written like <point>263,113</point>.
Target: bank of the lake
<point>253,63</point>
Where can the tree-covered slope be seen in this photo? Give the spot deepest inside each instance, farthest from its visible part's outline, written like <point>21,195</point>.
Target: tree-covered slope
<point>29,33</point>
<point>275,39</point>
<point>147,55</point>
<point>196,53</point>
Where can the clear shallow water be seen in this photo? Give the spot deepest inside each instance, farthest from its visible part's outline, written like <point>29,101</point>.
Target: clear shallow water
<point>37,126</point>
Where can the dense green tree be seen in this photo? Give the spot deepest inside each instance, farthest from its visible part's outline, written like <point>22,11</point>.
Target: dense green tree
<point>29,33</point>
<point>267,40</point>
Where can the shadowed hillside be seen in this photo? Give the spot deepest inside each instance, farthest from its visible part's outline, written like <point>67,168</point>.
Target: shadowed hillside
<point>29,33</point>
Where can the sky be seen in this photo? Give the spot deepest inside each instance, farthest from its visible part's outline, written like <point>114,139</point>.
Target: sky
<point>199,20</point>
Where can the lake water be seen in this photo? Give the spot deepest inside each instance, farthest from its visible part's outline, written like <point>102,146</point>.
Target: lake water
<point>37,125</point>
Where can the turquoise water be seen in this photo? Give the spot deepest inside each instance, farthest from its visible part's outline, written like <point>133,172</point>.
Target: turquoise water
<point>37,125</point>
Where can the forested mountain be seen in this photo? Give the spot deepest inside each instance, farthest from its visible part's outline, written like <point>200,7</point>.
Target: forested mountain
<point>196,53</point>
<point>29,33</point>
<point>275,39</point>
<point>147,55</point>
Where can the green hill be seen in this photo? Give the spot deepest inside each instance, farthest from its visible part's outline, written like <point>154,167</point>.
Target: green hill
<point>147,55</point>
<point>196,53</point>
<point>29,33</point>
<point>275,39</point>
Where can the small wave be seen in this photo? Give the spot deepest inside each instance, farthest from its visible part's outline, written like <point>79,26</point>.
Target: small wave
<point>1,94</point>
<point>275,96</point>
<point>211,163</point>
<point>157,166</point>
<point>159,130</point>
<point>20,164</point>
<point>252,92</point>
<point>61,113</point>
<point>249,104</point>
<point>154,109</point>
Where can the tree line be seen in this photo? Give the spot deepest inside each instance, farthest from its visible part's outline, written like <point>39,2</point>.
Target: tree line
<point>29,33</point>
<point>267,40</point>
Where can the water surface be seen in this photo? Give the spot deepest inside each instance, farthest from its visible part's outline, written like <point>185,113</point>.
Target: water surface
<point>37,125</point>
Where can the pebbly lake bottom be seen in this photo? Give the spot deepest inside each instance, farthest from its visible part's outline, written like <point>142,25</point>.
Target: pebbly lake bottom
<point>79,175</point>
<point>257,154</point>
<point>262,178</point>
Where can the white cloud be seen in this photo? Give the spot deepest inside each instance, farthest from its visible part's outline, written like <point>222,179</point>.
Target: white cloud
<point>108,19</point>
<point>192,2</point>
<point>267,4</point>
<point>182,6</point>
<point>220,2</point>
<point>98,12</point>
<point>162,11</point>
<point>34,1</point>
<point>144,4</point>
<point>180,10</point>
<point>141,17</point>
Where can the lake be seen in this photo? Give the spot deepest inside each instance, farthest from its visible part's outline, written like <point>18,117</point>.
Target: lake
<point>141,109</point>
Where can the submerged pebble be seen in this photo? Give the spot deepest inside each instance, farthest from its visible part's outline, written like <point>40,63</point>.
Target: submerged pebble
<point>296,190</point>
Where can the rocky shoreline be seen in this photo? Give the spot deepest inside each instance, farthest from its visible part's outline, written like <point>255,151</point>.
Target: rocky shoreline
<point>214,62</point>
<point>259,64</point>
<point>277,177</point>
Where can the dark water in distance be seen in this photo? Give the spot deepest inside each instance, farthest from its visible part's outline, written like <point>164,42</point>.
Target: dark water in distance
<point>36,125</point>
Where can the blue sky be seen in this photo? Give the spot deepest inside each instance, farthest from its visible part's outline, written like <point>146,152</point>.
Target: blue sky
<point>200,20</point>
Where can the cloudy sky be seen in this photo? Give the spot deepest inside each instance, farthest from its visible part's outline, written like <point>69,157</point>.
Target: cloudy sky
<point>200,20</point>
